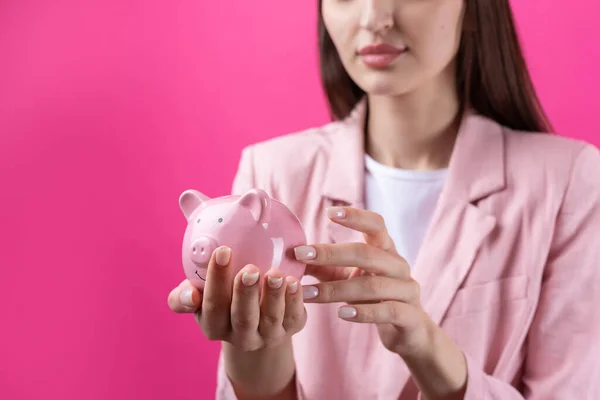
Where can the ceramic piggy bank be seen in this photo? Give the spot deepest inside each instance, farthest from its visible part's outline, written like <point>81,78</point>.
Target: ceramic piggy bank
<point>259,230</point>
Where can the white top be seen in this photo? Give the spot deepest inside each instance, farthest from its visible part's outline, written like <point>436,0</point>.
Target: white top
<point>406,199</point>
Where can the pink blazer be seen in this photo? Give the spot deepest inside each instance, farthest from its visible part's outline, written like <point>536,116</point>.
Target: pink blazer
<point>510,266</point>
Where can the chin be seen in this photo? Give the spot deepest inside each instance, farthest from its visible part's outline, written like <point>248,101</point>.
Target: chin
<point>384,82</point>
<point>383,86</point>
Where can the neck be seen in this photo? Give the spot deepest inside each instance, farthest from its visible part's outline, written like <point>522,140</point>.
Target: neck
<point>413,131</point>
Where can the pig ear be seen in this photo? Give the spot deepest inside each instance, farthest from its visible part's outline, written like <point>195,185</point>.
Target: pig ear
<point>190,200</point>
<point>258,202</point>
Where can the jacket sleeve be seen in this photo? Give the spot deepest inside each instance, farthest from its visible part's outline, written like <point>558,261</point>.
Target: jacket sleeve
<point>244,180</point>
<point>563,343</point>
<point>563,353</point>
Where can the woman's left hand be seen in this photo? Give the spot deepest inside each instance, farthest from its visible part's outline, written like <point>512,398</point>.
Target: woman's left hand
<point>380,290</point>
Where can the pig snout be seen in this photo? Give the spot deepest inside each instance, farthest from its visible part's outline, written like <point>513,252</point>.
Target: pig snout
<point>201,250</point>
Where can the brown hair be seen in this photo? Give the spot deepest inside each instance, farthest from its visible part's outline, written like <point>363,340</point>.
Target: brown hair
<point>492,74</point>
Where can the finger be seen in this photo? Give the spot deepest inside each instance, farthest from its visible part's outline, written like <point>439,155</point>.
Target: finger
<point>272,305</point>
<point>364,256</point>
<point>332,273</point>
<point>245,311</point>
<point>185,298</point>
<point>388,312</point>
<point>295,314</point>
<point>363,289</point>
<point>369,223</point>
<point>216,302</point>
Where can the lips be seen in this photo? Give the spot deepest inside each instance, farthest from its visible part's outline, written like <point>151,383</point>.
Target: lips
<point>380,55</point>
<point>381,48</point>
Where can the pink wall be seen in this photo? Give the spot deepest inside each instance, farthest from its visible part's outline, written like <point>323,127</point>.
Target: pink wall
<point>108,110</point>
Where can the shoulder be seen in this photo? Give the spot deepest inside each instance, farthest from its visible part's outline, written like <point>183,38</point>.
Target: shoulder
<point>546,147</point>
<point>551,159</point>
<point>294,146</point>
<point>291,157</point>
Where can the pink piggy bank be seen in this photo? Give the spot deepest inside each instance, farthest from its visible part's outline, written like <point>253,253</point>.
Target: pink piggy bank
<point>259,230</point>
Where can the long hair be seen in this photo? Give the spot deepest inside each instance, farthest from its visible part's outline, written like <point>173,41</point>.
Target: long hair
<point>491,74</point>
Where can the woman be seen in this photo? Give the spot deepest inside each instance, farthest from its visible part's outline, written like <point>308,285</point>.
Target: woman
<point>456,247</point>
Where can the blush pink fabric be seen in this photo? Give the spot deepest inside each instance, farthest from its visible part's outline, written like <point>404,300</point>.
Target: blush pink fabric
<point>510,265</point>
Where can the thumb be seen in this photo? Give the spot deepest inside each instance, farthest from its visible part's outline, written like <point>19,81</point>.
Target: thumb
<point>185,298</point>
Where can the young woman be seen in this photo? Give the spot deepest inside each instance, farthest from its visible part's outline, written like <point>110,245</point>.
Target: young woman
<point>455,247</point>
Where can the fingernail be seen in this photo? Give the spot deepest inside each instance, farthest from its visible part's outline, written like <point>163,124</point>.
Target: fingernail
<point>274,283</point>
<point>347,312</point>
<point>293,287</point>
<point>305,252</point>
<point>249,279</point>
<point>310,292</point>
<point>223,256</point>
<point>186,297</point>
<point>336,212</point>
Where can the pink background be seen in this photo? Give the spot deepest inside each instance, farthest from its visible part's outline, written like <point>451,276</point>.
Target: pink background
<point>108,110</point>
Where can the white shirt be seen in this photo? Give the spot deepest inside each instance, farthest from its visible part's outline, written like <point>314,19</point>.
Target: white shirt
<point>406,199</point>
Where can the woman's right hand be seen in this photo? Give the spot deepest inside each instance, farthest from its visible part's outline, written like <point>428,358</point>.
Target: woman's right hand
<point>229,308</point>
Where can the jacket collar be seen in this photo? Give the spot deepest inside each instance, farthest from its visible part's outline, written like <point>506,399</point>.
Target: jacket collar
<point>476,167</point>
<point>344,180</point>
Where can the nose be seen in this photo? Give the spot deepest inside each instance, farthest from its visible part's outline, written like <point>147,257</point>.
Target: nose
<point>377,15</point>
<point>201,250</point>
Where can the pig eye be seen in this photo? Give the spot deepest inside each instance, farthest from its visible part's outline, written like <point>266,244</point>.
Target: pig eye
<point>198,221</point>
<point>220,219</point>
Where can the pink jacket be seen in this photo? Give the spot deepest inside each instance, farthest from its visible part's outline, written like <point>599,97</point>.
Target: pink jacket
<point>510,266</point>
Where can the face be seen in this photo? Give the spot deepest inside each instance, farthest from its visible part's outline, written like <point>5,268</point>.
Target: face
<point>391,47</point>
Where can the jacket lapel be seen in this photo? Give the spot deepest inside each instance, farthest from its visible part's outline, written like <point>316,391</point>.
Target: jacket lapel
<point>344,181</point>
<point>459,227</point>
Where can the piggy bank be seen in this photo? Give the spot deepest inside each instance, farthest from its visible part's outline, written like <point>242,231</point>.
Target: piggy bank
<point>259,230</point>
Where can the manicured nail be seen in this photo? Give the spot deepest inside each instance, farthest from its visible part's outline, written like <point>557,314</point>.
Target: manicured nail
<point>336,212</point>
<point>310,292</point>
<point>274,283</point>
<point>249,279</point>
<point>186,297</point>
<point>293,287</point>
<point>305,252</point>
<point>223,256</point>
<point>347,312</point>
